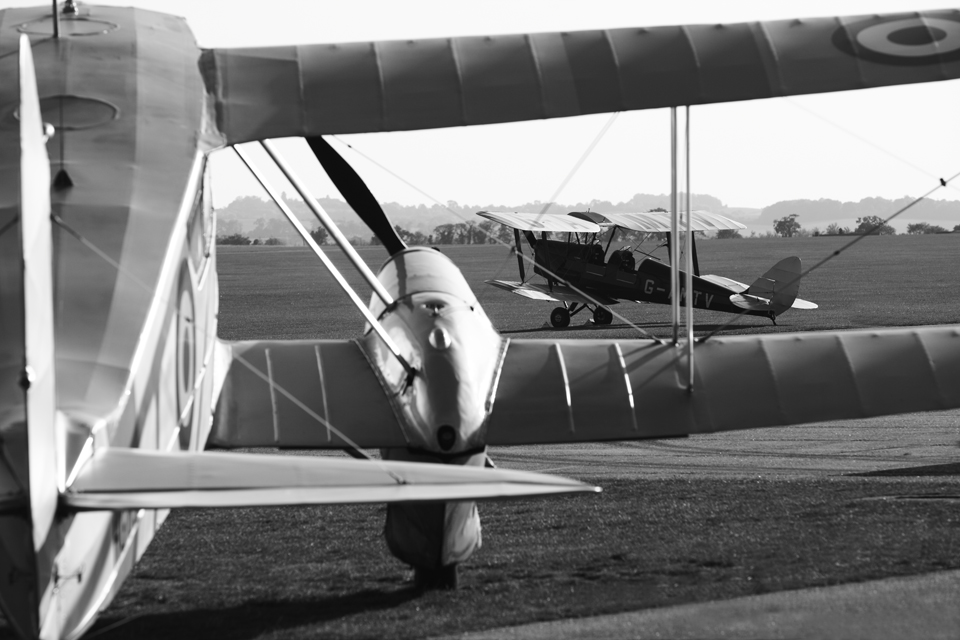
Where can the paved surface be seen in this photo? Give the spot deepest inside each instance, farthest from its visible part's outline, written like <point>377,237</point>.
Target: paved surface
<point>916,607</point>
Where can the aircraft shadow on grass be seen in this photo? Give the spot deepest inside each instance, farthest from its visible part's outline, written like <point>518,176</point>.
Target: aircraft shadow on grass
<point>250,619</point>
<point>949,469</point>
<point>643,325</point>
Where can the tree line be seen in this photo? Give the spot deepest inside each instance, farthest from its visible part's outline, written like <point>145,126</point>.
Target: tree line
<point>788,227</point>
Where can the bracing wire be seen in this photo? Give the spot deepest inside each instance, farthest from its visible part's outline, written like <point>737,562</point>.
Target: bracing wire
<point>941,184</point>
<point>579,163</point>
<point>168,302</point>
<point>527,258</point>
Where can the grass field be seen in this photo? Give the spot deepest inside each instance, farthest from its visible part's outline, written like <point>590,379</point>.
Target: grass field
<point>325,572</point>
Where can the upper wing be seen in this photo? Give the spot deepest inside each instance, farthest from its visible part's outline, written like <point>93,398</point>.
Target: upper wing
<point>309,90</point>
<point>584,390</point>
<point>541,222</point>
<point>659,221</point>
<point>119,478</point>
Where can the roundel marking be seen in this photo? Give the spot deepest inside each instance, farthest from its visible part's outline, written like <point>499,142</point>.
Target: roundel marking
<point>186,351</point>
<point>904,41</point>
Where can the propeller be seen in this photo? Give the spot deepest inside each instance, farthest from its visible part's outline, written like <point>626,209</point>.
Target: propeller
<point>356,193</point>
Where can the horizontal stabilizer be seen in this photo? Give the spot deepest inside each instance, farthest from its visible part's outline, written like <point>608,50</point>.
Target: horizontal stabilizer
<point>554,391</point>
<point>118,479</point>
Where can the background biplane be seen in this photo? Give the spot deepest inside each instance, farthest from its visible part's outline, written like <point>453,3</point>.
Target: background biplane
<point>587,273</point>
<point>113,381</point>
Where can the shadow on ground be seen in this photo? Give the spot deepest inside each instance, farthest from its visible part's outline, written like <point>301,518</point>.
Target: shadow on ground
<point>951,469</point>
<point>251,619</point>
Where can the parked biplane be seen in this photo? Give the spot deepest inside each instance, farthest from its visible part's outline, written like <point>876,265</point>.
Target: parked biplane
<point>112,378</point>
<point>583,273</point>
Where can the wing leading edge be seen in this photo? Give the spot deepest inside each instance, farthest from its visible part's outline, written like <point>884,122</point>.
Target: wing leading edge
<point>424,84</point>
<point>117,478</point>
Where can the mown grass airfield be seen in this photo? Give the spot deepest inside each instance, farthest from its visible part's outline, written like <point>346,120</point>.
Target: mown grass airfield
<point>705,518</point>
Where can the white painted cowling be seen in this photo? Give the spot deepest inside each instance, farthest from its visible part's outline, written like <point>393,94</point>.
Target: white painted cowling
<point>446,337</point>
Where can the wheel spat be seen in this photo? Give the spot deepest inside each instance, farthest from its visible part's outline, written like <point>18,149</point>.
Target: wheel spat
<point>356,193</point>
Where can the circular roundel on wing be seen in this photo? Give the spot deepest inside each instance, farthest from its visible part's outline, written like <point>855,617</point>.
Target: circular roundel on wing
<point>186,354</point>
<point>901,41</point>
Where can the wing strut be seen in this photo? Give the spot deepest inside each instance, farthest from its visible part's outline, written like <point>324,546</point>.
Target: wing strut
<point>298,226</point>
<point>516,239</point>
<point>680,171</point>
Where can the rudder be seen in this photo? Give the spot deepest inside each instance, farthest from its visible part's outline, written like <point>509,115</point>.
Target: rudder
<point>780,285</point>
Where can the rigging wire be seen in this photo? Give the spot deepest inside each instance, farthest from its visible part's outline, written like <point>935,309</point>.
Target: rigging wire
<point>168,301</point>
<point>579,163</point>
<point>941,184</point>
<point>531,261</point>
<point>796,103</point>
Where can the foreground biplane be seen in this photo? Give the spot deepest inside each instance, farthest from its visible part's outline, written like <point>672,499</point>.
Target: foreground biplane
<point>112,380</point>
<point>587,273</point>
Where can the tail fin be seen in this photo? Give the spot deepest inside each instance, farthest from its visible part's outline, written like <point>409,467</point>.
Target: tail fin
<point>38,376</point>
<point>780,285</point>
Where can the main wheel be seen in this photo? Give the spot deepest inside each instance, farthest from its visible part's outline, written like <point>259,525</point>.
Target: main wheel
<point>602,316</point>
<point>560,318</point>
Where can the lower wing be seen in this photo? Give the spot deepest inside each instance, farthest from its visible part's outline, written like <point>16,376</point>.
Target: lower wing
<point>553,391</point>
<point>117,479</point>
<point>556,293</point>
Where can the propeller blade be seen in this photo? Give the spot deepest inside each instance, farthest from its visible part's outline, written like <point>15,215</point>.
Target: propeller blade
<point>356,193</point>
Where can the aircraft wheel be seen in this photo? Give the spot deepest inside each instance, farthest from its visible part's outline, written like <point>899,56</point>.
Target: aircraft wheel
<point>446,577</point>
<point>560,318</point>
<point>602,316</point>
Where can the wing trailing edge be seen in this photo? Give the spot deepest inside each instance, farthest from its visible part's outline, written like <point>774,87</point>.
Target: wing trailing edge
<point>118,479</point>
<point>553,391</point>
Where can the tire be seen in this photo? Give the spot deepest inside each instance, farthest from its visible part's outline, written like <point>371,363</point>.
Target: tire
<point>560,318</point>
<point>602,316</point>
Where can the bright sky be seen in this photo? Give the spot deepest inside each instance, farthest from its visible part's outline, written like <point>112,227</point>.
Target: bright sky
<point>747,154</point>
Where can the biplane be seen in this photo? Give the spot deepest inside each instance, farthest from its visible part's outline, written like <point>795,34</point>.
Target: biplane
<point>583,273</point>
<point>117,398</point>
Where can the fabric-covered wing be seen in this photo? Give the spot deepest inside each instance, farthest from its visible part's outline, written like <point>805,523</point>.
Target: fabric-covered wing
<point>309,90</point>
<point>659,221</point>
<point>585,390</point>
<point>557,293</point>
<point>541,222</point>
<point>303,394</point>
<point>118,478</point>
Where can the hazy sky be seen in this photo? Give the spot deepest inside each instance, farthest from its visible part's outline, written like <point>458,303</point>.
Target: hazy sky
<point>749,154</point>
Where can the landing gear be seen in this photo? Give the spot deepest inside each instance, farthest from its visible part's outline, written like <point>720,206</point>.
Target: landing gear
<point>560,317</point>
<point>441,578</point>
<point>602,316</point>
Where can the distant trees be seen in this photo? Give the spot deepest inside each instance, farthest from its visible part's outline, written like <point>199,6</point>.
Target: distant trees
<point>787,226</point>
<point>922,228</point>
<point>319,235</point>
<point>234,238</point>
<point>728,234</point>
<point>873,225</point>
<point>834,229</point>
